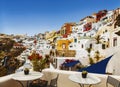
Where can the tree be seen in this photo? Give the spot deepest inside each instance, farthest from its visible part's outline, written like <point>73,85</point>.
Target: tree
<point>97,39</point>
<point>97,55</point>
<point>91,61</point>
<point>89,50</point>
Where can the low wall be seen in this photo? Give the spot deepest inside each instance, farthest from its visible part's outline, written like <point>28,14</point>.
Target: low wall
<point>6,81</point>
<point>66,53</point>
<point>63,80</point>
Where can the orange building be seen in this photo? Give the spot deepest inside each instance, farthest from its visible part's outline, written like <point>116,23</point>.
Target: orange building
<point>66,29</point>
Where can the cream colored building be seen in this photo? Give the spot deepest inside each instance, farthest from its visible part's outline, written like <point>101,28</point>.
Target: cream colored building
<point>50,36</point>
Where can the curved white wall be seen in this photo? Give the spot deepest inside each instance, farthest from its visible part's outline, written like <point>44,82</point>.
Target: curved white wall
<point>114,63</point>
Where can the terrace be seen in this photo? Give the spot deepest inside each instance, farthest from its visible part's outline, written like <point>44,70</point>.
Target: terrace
<point>50,73</point>
<point>63,78</point>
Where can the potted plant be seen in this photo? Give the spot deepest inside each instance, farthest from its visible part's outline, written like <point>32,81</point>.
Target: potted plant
<point>26,71</point>
<point>84,74</point>
<point>38,61</point>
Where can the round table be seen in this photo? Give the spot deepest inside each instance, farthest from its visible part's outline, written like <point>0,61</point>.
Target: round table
<point>20,76</point>
<point>89,80</point>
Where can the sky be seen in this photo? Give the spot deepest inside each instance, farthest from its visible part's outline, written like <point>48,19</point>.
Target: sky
<point>38,16</point>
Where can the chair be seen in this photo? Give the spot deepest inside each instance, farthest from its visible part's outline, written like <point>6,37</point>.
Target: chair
<point>53,82</point>
<point>43,83</point>
<point>112,81</point>
<point>38,83</point>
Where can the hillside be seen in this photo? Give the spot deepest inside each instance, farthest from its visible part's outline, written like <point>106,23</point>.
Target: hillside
<point>8,54</point>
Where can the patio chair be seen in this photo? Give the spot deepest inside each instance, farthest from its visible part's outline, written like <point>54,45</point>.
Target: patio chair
<point>112,81</point>
<point>53,82</point>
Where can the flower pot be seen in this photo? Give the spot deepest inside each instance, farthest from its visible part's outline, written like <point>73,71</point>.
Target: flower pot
<point>84,75</point>
<point>26,71</point>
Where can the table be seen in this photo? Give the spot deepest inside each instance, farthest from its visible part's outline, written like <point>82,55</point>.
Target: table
<point>20,76</point>
<point>90,80</point>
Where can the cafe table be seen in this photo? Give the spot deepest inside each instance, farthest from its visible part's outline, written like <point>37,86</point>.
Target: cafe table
<point>21,77</point>
<point>89,80</point>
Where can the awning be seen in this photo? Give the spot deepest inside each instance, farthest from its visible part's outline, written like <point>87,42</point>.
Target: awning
<point>99,67</point>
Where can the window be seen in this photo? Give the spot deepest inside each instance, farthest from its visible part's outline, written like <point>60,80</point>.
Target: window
<point>82,46</point>
<point>103,46</point>
<point>90,45</point>
<point>105,30</point>
<point>63,45</point>
<point>48,46</point>
<point>75,40</point>
<point>84,34</point>
<point>71,46</point>
<point>115,41</point>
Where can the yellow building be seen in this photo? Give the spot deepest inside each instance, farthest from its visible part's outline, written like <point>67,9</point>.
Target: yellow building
<point>63,44</point>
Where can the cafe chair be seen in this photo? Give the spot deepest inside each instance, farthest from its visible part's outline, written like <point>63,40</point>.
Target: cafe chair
<point>112,81</point>
<point>53,82</point>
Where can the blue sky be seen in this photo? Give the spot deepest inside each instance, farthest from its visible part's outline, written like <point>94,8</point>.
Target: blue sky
<point>37,16</point>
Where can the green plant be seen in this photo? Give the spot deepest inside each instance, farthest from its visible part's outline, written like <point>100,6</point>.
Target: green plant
<point>97,38</point>
<point>3,71</point>
<point>26,69</point>
<point>97,55</point>
<point>91,61</point>
<point>84,72</point>
<point>89,50</point>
